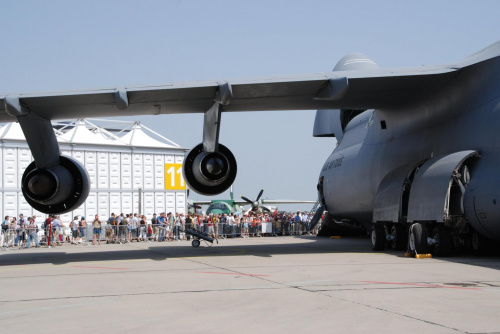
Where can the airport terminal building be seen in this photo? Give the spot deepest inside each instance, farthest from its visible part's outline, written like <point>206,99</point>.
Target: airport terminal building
<point>131,168</point>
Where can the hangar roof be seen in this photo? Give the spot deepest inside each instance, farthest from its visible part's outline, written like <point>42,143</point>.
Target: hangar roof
<point>83,131</point>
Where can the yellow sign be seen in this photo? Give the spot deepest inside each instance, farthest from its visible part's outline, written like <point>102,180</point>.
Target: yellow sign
<point>173,177</point>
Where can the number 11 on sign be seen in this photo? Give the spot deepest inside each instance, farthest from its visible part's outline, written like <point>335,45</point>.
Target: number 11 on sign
<point>173,177</point>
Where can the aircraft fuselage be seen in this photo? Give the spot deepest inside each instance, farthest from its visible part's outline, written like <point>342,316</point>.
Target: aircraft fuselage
<point>461,116</point>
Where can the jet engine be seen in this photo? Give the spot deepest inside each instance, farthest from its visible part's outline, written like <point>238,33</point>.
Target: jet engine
<point>57,189</point>
<point>209,173</point>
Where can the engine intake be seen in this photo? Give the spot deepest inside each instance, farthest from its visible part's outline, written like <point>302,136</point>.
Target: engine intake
<point>209,173</point>
<point>57,189</point>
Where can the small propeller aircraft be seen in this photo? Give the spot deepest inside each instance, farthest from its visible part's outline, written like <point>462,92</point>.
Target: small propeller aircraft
<point>229,206</point>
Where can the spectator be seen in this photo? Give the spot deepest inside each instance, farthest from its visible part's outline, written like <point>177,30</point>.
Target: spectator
<point>237,226</point>
<point>188,225</point>
<point>135,226</point>
<point>74,230</point>
<point>178,227</point>
<point>216,221</point>
<point>5,232</point>
<point>154,224</point>
<point>160,222</point>
<point>32,235</point>
<point>123,228</point>
<point>57,227</point>
<point>111,222</point>
<point>82,227</point>
<point>211,221</point>
<point>21,232</point>
<point>230,226</point>
<point>96,225</point>
<point>171,223</point>
<point>143,229</point>
<point>47,227</point>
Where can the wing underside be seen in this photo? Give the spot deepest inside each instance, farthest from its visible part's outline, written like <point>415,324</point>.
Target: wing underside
<point>364,89</point>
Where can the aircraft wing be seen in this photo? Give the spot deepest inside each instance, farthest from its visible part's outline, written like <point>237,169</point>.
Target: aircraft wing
<point>202,202</point>
<point>284,201</point>
<point>361,89</point>
<point>276,201</point>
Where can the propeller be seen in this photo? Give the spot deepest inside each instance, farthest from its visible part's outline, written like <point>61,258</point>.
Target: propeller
<point>256,204</point>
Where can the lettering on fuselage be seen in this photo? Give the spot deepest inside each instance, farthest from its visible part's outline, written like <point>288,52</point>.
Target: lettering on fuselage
<point>333,164</point>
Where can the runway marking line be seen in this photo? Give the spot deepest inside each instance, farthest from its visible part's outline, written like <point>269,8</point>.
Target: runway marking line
<point>235,274</point>
<point>423,285</point>
<point>89,267</point>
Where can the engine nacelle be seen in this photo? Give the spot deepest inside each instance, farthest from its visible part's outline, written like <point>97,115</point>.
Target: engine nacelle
<point>209,173</point>
<point>57,189</point>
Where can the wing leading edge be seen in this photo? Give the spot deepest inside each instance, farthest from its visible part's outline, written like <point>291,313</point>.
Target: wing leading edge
<point>365,89</point>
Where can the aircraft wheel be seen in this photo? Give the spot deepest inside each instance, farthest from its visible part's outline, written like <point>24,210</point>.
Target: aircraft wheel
<point>378,237</point>
<point>444,243</point>
<point>195,243</point>
<point>480,245</point>
<point>418,239</point>
<point>399,236</point>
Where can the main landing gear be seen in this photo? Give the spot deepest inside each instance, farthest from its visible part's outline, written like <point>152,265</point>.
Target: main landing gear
<point>415,238</point>
<point>393,236</point>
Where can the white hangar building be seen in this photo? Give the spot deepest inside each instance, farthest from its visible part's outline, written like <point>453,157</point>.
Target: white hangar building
<point>131,168</point>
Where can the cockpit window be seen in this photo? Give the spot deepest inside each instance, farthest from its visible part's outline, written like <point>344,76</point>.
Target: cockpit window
<point>218,206</point>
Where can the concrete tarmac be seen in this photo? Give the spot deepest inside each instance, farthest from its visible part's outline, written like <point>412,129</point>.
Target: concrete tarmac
<point>258,285</point>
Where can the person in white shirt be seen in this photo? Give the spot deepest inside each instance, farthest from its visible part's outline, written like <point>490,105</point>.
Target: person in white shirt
<point>74,230</point>
<point>305,220</point>
<point>56,230</point>
<point>230,222</point>
<point>135,225</point>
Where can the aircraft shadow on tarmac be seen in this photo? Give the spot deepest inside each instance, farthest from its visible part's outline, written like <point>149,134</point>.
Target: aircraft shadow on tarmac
<point>163,251</point>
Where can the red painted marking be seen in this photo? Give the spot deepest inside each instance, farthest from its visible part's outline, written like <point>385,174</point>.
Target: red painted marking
<point>235,274</point>
<point>99,267</point>
<point>424,285</point>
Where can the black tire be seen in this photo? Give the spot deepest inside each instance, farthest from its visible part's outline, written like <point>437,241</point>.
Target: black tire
<point>195,243</point>
<point>480,245</point>
<point>418,239</point>
<point>378,237</point>
<point>399,233</point>
<point>444,243</point>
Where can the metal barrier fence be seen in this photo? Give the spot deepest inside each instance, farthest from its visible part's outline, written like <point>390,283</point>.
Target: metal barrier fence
<point>19,237</point>
<point>124,233</point>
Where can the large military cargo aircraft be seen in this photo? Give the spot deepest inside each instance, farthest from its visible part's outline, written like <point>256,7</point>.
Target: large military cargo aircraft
<point>418,148</point>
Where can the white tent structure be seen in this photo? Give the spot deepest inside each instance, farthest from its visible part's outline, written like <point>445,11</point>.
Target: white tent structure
<point>126,162</point>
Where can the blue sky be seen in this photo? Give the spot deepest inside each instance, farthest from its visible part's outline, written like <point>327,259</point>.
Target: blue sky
<point>59,45</point>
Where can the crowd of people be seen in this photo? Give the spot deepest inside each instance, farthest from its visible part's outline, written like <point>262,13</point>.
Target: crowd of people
<point>25,232</point>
